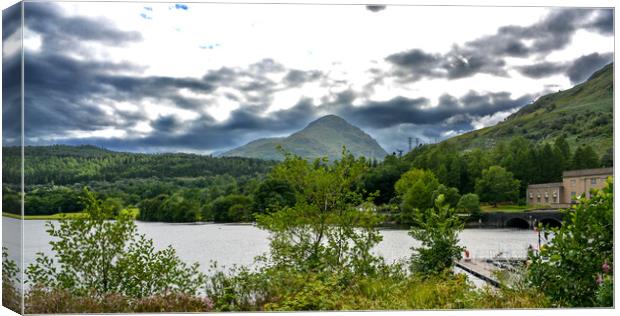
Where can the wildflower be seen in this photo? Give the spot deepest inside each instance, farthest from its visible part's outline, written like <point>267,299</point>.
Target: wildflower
<point>599,279</point>
<point>606,268</point>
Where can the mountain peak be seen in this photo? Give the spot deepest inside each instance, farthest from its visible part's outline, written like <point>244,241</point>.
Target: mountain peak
<point>322,137</point>
<point>330,119</point>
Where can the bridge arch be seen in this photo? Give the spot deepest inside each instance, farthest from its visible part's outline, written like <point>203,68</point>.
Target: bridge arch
<point>517,222</point>
<point>550,222</point>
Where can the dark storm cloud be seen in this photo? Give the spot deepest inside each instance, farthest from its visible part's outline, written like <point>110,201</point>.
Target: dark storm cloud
<point>11,79</point>
<point>486,55</point>
<point>296,78</point>
<point>577,71</point>
<point>11,20</point>
<point>402,110</point>
<point>204,133</point>
<point>67,32</point>
<point>604,22</point>
<point>586,65</point>
<point>375,8</point>
<point>541,70</point>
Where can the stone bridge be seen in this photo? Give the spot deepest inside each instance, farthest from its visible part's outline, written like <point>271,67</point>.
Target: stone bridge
<point>523,220</point>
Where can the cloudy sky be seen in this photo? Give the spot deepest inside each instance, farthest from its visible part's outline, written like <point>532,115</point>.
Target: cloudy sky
<point>209,77</point>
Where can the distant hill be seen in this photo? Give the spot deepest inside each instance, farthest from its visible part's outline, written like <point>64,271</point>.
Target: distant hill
<point>583,113</point>
<point>323,137</point>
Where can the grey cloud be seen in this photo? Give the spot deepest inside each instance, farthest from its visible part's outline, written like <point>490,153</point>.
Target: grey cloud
<point>11,79</point>
<point>401,110</point>
<point>541,70</point>
<point>604,22</point>
<point>584,66</point>
<point>65,32</point>
<point>375,8</point>
<point>577,71</point>
<point>296,78</point>
<point>487,54</point>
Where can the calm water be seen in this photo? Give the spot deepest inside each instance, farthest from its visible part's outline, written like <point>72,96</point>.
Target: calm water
<point>230,244</point>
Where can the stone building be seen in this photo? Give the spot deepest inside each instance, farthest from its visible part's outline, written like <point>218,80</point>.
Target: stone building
<point>574,183</point>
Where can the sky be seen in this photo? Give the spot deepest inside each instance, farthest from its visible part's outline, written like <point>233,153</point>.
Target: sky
<point>206,78</point>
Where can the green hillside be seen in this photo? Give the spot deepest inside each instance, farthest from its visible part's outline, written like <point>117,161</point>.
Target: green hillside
<point>583,113</point>
<point>323,137</point>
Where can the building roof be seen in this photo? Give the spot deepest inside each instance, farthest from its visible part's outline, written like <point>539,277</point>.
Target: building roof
<point>545,185</point>
<point>588,172</point>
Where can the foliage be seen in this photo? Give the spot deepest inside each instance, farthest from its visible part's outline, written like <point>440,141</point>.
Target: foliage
<point>497,185</point>
<point>328,228</point>
<point>234,207</point>
<point>381,179</point>
<point>416,189</point>
<point>585,158</point>
<point>451,195</point>
<point>96,257</point>
<point>59,301</point>
<point>273,194</point>
<point>389,289</point>
<point>437,229</point>
<point>11,294</point>
<point>469,204</point>
<point>574,269</point>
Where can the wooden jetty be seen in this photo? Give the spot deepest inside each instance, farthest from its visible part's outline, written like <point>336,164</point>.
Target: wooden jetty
<point>482,269</point>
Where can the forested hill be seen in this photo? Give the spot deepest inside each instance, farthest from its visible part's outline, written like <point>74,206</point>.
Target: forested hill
<point>584,114</point>
<point>61,164</point>
<point>322,137</point>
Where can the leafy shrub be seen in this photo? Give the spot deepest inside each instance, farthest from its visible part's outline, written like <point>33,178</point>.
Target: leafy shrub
<point>574,269</point>
<point>11,295</point>
<point>97,257</point>
<point>438,230</point>
<point>469,204</point>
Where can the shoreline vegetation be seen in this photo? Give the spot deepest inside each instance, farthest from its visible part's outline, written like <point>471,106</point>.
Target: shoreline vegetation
<point>319,258</point>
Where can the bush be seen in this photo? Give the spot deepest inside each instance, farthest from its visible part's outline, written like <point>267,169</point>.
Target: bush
<point>574,269</point>
<point>11,296</point>
<point>438,230</point>
<point>55,301</point>
<point>98,257</point>
<point>469,204</point>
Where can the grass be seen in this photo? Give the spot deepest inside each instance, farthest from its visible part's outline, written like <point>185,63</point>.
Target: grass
<point>44,217</point>
<point>132,211</point>
<point>510,208</point>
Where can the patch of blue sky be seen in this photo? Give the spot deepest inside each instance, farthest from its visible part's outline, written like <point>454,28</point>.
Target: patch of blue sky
<point>180,6</point>
<point>148,8</point>
<point>145,16</point>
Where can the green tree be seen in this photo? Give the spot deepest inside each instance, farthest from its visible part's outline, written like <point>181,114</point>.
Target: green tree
<point>607,160</point>
<point>329,229</point>
<point>437,229</point>
<point>469,204</point>
<point>574,269</point>
<point>96,256</point>
<point>497,185</point>
<point>272,195</point>
<point>232,208</point>
<point>451,195</point>
<point>585,158</point>
<point>415,189</point>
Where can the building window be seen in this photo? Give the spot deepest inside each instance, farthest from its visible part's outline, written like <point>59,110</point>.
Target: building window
<point>573,196</point>
<point>555,199</point>
<point>538,199</point>
<point>573,182</point>
<point>593,181</point>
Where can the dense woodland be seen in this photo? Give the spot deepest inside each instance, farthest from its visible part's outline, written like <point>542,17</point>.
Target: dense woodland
<point>187,187</point>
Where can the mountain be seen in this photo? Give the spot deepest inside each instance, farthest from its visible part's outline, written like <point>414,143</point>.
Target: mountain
<point>323,137</point>
<point>584,113</point>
